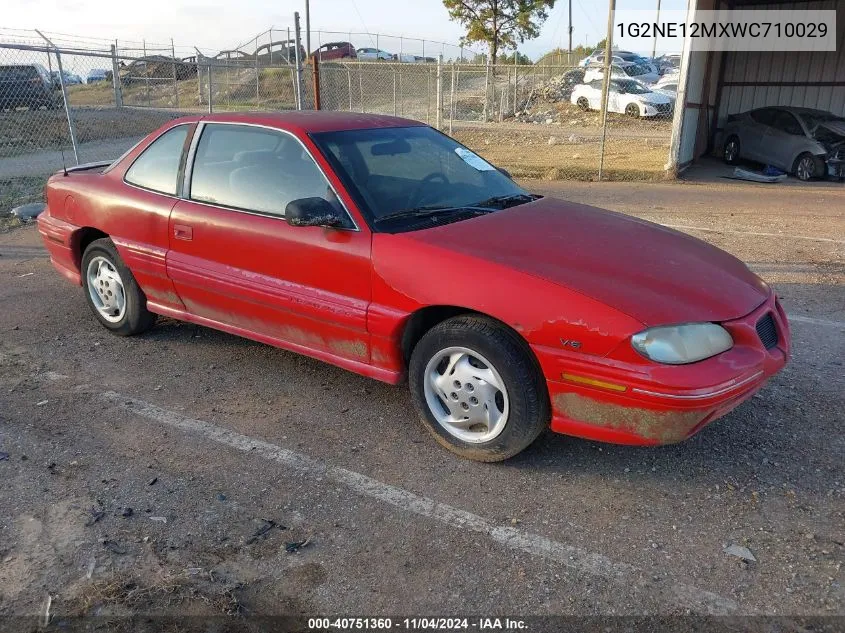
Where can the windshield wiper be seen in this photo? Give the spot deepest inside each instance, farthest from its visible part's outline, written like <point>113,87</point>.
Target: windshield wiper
<point>427,212</point>
<point>503,202</point>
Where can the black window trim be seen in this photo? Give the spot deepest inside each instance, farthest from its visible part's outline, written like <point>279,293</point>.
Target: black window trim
<point>189,170</point>
<point>176,195</point>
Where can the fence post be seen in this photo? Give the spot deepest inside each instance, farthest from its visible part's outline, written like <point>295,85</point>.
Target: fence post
<point>298,60</point>
<point>146,72</point>
<point>175,78</point>
<point>70,127</point>
<point>315,67</point>
<point>210,98</point>
<point>608,52</point>
<point>257,74</point>
<point>439,92</point>
<point>486,110</point>
<point>394,92</point>
<point>115,77</point>
<point>452,99</point>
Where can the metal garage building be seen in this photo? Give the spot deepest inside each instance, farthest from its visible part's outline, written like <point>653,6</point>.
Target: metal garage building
<point>719,84</point>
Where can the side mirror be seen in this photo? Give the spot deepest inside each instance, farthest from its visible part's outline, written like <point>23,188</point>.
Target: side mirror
<point>504,172</point>
<point>312,212</point>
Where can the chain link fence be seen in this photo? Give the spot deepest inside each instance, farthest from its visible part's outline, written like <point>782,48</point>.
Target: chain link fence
<point>520,117</point>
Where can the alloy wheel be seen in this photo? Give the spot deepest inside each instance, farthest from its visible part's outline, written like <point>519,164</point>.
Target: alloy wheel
<point>466,395</point>
<point>105,287</point>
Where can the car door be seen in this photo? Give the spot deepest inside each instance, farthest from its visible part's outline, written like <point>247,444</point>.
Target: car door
<point>595,94</point>
<point>755,128</point>
<point>783,140</point>
<point>239,266</point>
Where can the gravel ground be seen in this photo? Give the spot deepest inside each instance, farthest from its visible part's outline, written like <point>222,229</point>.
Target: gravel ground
<point>209,438</point>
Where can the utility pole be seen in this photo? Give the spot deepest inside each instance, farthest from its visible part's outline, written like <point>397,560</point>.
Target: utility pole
<point>569,61</point>
<point>656,20</point>
<point>307,29</point>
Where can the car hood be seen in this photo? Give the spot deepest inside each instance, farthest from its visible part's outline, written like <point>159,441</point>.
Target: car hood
<point>837,127</point>
<point>653,97</point>
<point>651,273</point>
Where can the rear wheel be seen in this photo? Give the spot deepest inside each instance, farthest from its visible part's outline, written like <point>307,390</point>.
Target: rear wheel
<point>731,150</point>
<point>112,292</point>
<point>807,167</point>
<point>478,389</point>
<point>632,110</point>
<point>583,103</point>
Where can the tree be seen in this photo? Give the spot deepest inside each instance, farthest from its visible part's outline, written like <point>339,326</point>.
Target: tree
<point>499,23</point>
<point>521,59</point>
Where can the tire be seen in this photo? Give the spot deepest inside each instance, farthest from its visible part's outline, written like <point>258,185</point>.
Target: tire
<point>807,167</point>
<point>132,317</point>
<point>583,103</point>
<point>488,355</point>
<point>632,110</point>
<point>731,150</point>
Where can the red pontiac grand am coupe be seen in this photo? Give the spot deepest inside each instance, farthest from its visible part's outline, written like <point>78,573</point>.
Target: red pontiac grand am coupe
<point>382,246</point>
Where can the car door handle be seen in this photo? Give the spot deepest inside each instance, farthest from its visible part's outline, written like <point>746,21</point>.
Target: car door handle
<point>183,232</point>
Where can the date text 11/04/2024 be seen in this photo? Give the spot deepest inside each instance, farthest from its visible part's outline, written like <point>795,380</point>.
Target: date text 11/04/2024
<point>417,624</point>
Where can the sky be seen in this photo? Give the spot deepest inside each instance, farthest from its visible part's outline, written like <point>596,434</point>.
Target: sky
<point>220,24</point>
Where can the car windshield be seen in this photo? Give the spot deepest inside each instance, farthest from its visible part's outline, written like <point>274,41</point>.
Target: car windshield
<point>630,87</point>
<point>812,119</point>
<point>402,172</point>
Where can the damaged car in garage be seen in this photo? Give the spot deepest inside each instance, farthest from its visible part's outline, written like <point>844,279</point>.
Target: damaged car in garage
<point>804,142</point>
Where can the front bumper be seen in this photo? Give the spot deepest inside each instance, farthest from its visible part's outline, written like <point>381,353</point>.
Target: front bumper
<point>651,404</point>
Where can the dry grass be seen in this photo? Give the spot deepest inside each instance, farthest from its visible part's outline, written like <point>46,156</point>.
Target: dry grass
<point>528,154</point>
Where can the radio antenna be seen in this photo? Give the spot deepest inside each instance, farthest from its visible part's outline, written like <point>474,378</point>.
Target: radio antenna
<point>64,166</point>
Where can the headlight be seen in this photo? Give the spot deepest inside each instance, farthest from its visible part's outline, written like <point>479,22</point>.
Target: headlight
<point>681,344</point>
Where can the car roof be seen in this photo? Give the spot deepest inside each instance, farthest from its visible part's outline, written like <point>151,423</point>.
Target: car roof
<point>309,121</point>
<point>792,109</point>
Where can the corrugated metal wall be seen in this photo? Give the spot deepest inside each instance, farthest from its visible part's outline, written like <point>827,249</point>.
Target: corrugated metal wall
<point>750,68</point>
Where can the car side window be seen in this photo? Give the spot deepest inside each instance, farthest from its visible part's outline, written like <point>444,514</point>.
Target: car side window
<point>157,168</point>
<point>764,116</point>
<point>786,122</point>
<point>255,169</point>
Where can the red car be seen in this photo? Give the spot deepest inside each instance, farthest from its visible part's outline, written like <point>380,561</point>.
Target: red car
<point>382,246</point>
<point>335,50</point>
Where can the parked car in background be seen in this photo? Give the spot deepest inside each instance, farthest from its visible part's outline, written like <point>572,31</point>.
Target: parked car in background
<point>330,234</point>
<point>803,142</point>
<point>668,64</point>
<point>97,74</point>
<point>622,70</point>
<point>666,85</point>
<point>335,50</point>
<point>27,86</point>
<point>373,54</point>
<point>69,79</point>
<point>625,96</point>
<point>156,67</point>
<point>407,58</point>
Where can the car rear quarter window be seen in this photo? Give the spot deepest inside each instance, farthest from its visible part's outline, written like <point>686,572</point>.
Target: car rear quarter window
<point>157,168</point>
<point>255,169</point>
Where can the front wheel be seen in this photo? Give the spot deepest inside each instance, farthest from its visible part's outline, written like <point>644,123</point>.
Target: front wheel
<point>808,167</point>
<point>112,292</point>
<point>632,110</point>
<point>731,150</point>
<point>583,103</point>
<point>478,389</point>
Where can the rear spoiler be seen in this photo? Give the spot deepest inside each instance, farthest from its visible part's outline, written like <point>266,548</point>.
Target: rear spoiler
<point>88,166</point>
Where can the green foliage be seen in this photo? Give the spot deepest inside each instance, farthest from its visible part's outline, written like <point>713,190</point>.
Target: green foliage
<point>499,23</point>
<point>521,59</point>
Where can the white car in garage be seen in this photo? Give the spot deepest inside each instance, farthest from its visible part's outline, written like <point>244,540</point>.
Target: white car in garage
<point>625,96</point>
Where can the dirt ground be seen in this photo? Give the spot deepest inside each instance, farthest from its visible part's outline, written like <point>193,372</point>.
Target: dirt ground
<point>171,473</point>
